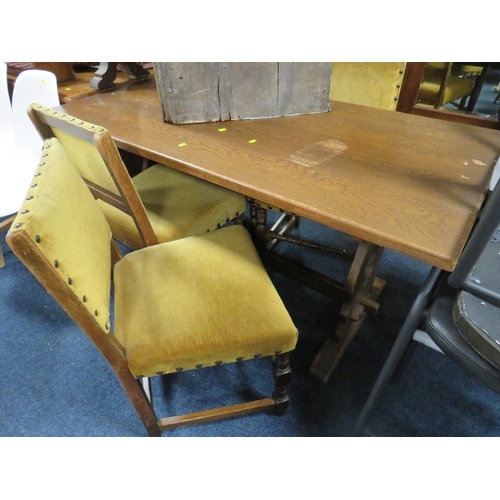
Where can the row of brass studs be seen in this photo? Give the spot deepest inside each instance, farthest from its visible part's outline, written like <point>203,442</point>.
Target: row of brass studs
<point>70,118</point>
<point>227,220</point>
<point>217,363</point>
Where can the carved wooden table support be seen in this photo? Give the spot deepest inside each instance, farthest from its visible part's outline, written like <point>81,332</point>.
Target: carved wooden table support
<point>362,288</point>
<point>105,75</point>
<point>358,294</point>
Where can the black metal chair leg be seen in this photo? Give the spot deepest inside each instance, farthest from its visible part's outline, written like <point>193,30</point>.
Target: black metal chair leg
<point>398,349</point>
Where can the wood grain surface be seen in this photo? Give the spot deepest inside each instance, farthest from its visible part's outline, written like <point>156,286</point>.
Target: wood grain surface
<point>409,183</point>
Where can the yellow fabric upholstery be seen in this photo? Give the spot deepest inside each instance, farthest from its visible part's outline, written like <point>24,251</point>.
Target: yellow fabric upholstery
<point>198,302</point>
<point>86,158</point>
<point>374,84</point>
<point>80,253</point>
<point>456,88</point>
<point>177,205</point>
<point>438,76</point>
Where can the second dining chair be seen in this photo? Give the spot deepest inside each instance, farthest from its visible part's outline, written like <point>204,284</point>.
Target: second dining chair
<point>159,204</point>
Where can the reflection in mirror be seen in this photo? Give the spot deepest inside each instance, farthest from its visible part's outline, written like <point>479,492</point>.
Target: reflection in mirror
<point>463,87</point>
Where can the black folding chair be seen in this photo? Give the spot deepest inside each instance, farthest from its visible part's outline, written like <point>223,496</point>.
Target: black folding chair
<point>460,311</point>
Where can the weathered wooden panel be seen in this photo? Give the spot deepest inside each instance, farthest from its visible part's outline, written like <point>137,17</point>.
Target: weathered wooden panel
<point>203,92</point>
<point>188,92</point>
<point>304,88</point>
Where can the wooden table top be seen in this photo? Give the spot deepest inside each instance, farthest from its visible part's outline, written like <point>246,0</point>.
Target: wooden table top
<point>408,183</point>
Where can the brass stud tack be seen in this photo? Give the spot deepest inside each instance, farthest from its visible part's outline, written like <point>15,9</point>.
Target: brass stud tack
<point>37,238</point>
<point>179,369</point>
<point>56,263</point>
<point>34,185</point>
<point>84,298</point>
<point>18,225</point>
<point>29,198</point>
<point>198,365</point>
<point>96,313</point>
<point>256,356</point>
<point>218,362</point>
<point>159,373</point>
<point>25,212</point>
<point>70,281</point>
<point>239,358</point>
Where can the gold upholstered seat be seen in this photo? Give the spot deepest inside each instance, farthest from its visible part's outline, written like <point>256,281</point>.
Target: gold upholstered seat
<point>159,204</point>
<point>181,305</point>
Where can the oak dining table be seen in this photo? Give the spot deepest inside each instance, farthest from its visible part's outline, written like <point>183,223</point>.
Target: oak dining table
<point>389,180</point>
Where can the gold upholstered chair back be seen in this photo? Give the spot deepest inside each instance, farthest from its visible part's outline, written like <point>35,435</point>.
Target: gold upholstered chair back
<point>159,204</point>
<point>374,84</point>
<point>63,238</point>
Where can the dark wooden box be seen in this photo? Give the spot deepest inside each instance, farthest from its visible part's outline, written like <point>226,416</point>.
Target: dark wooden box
<point>214,91</point>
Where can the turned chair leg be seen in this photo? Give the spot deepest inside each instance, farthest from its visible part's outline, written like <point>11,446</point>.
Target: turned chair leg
<point>282,380</point>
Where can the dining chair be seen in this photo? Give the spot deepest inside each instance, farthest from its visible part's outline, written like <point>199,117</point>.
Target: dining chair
<point>159,204</point>
<point>192,303</point>
<point>440,86</point>
<point>460,311</point>
<point>19,141</point>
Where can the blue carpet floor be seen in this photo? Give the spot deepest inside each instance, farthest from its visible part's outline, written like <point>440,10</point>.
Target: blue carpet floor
<point>55,383</point>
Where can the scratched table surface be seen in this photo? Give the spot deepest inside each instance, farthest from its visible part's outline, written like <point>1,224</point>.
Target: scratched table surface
<point>408,183</point>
